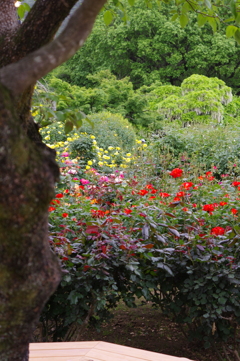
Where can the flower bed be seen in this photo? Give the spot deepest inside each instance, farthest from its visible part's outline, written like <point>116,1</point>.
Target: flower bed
<point>174,241</point>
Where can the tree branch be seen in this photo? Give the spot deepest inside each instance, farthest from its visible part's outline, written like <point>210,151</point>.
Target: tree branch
<point>48,15</point>
<point>19,76</point>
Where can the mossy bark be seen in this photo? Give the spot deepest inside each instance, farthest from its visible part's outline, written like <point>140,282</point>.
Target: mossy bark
<point>29,272</point>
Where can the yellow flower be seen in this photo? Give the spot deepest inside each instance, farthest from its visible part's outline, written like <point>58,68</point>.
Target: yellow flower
<point>100,163</point>
<point>128,154</point>
<point>89,162</point>
<point>92,137</point>
<point>145,145</point>
<point>105,151</point>
<point>87,167</point>
<point>118,148</point>
<point>110,148</point>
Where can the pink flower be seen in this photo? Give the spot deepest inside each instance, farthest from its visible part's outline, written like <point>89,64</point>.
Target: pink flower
<point>84,181</point>
<point>104,179</point>
<point>72,171</point>
<point>65,154</point>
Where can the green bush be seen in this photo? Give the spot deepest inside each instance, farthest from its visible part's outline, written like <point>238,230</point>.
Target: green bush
<point>82,148</point>
<point>111,130</point>
<point>203,146</point>
<point>199,100</point>
<point>104,92</point>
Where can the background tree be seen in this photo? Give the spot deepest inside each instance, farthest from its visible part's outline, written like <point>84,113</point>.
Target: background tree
<point>151,47</point>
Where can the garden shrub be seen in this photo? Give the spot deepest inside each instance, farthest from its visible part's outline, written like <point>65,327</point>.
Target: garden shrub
<point>199,100</point>
<point>203,146</point>
<point>174,241</point>
<point>82,148</point>
<point>111,130</point>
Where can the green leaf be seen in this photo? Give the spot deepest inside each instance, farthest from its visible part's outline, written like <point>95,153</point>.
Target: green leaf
<point>90,122</point>
<point>78,123</point>
<point>174,17</point>
<point>213,24</point>
<point>233,8</point>
<point>21,11</point>
<point>231,30</point>
<point>68,127</point>
<point>201,20</point>
<point>237,36</point>
<point>108,17</point>
<point>27,7</point>
<point>183,20</point>
<point>131,2</point>
<point>208,4</point>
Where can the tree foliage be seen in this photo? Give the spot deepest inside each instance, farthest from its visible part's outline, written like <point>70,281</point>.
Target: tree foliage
<point>151,47</point>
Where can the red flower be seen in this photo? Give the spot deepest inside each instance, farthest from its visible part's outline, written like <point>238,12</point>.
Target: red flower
<point>234,211</point>
<point>222,203</point>
<point>65,215</point>
<point>122,247</point>
<point>177,199</point>
<point>85,268</point>
<point>55,202</point>
<point>180,194</point>
<point>142,192</point>
<point>209,208</point>
<point>176,173</point>
<point>59,195</point>
<point>65,258</point>
<point>50,209</point>
<point>99,213</point>
<point>218,231</point>
<point>194,205</point>
<point>153,191</point>
<point>127,211</point>
<point>185,209</point>
<point>209,176</point>
<point>149,186</point>
<point>187,185</point>
<point>164,195</point>
<point>235,184</point>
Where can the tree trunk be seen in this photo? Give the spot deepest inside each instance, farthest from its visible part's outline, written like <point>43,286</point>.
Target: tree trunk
<point>29,271</point>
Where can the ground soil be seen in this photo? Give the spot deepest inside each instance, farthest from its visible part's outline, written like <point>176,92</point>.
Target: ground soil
<point>147,328</point>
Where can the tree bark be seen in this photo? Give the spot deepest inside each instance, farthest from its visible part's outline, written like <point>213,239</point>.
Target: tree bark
<point>29,271</point>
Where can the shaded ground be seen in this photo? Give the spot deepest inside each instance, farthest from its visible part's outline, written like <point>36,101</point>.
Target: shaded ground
<point>146,328</point>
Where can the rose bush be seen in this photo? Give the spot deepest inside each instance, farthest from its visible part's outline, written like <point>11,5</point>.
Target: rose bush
<point>173,241</point>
